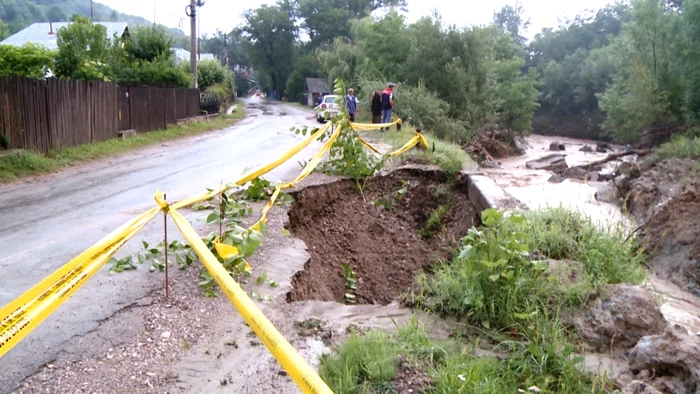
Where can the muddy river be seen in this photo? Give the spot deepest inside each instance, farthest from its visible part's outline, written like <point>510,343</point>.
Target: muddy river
<point>533,188</point>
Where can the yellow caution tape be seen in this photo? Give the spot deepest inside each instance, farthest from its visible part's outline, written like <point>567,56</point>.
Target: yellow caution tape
<point>417,139</point>
<point>297,368</point>
<point>26,312</point>
<point>251,175</point>
<point>373,126</point>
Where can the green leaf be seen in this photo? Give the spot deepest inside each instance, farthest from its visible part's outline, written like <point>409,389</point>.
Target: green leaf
<point>494,277</point>
<point>213,218</point>
<point>145,244</point>
<point>525,316</point>
<point>466,252</point>
<point>273,283</point>
<point>285,232</point>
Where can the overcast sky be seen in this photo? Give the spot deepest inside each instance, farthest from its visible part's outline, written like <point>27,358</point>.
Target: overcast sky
<point>226,14</point>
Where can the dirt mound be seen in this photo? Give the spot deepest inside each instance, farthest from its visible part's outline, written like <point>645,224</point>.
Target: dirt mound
<point>670,362</point>
<point>405,222</point>
<point>625,314</point>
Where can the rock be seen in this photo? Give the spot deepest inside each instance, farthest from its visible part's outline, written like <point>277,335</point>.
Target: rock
<point>593,176</point>
<point>675,353</point>
<point>603,148</point>
<point>576,173</point>
<point>626,314</point>
<point>554,162</point>
<point>630,170</point>
<point>639,387</point>
<point>165,334</point>
<point>557,146</point>
<point>556,179</point>
<point>586,148</point>
<point>521,145</point>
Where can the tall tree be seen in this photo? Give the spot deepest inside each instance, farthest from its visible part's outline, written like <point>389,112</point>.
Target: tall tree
<point>269,33</point>
<point>83,48</point>
<point>324,20</point>
<point>510,20</point>
<point>56,14</point>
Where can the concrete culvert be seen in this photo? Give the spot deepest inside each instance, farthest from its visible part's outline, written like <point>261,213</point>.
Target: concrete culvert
<point>401,223</point>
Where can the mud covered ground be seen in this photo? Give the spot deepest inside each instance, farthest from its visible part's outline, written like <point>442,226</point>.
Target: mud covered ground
<point>386,234</point>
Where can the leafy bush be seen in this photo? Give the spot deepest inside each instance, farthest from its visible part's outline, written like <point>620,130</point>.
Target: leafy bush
<point>29,61</point>
<point>161,72</point>
<point>211,72</point>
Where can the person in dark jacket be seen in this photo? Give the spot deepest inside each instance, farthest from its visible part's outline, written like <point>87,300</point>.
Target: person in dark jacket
<point>376,107</point>
<point>387,102</point>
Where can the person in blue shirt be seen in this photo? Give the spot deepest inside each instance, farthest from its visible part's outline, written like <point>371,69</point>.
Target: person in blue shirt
<point>351,104</point>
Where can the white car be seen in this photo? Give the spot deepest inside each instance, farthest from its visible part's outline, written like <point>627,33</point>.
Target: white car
<point>327,109</point>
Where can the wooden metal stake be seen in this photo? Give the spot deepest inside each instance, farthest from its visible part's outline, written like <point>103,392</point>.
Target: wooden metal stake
<point>165,249</point>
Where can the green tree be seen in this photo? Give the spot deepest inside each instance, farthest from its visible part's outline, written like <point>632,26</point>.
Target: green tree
<point>4,30</point>
<point>83,49</point>
<point>269,33</point>
<point>148,43</point>
<point>324,20</point>
<point>510,21</point>
<point>385,42</point>
<point>56,14</point>
<point>647,89</point>
<point>691,58</point>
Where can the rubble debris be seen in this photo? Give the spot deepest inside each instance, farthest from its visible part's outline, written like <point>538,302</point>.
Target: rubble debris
<point>586,148</point>
<point>620,318</point>
<point>674,354</point>
<point>554,162</point>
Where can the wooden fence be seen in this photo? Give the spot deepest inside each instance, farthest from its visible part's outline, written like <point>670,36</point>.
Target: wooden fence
<point>43,115</point>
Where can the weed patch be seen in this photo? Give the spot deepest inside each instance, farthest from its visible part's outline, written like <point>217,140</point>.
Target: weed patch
<point>682,147</point>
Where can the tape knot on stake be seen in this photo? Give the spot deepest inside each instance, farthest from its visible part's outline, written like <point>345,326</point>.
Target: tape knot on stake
<point>160,200</point>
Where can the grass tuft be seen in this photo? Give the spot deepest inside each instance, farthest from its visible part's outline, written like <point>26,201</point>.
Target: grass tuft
<point>15,166</point>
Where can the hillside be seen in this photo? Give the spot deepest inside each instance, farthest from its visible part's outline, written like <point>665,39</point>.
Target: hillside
<point>18,14</point>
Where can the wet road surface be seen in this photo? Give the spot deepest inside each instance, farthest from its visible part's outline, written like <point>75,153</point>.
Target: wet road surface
<point>49,220</point>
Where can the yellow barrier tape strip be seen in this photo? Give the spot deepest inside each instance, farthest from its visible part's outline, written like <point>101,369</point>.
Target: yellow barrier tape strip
<point>26,312</point>
<point>417,139</point>
<point>297,368</point>
<point>262,170</point>
<point>315,161</point>
<point>373,126</point>
<point>369,146</point>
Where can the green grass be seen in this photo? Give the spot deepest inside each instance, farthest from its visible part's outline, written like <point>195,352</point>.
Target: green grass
<point>448,156</point>
<point>27,163</point>
<point>368,363</point>
<point>682,147</point>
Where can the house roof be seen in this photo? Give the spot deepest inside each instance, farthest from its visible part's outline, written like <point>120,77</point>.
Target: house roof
<point>207,56</point>
<point>40,33</point>
<point>316,85</point>
<point>182,54</point>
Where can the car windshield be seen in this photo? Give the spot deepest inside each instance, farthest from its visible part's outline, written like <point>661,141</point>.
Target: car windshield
<point>329,99</point>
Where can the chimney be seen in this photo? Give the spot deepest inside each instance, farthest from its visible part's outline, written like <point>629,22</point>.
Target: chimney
<point>51,29</point>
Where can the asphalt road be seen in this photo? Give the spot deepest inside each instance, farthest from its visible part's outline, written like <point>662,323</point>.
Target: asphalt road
<point>47,221</point>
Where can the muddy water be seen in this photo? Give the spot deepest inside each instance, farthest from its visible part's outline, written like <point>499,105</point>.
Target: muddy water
<point>532,188</point>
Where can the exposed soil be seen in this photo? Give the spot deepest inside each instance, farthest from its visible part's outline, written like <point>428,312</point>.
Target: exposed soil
<point>380,236</point>
<point>673,239</point>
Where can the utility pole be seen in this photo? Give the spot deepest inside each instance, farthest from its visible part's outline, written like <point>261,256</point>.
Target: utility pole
<point>191,11</point>
<point>91,17</point>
